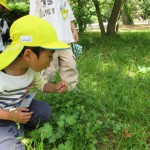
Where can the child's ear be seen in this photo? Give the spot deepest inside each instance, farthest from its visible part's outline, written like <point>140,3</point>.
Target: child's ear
<point>27,54</point>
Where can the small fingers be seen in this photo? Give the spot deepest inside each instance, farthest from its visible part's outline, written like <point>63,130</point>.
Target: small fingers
<point>27,117</point>
<point>23,109</point>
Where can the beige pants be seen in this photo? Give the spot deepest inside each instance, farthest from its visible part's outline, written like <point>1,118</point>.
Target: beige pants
<point>63,62</point>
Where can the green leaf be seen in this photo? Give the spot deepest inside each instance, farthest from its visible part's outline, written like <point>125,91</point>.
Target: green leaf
<point>61,123</point>
<point>46,131</point>
<point>71,119</point>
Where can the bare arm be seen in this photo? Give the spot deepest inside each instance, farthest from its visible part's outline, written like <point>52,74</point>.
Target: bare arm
<point>5,115</point>
<point>74,32</point>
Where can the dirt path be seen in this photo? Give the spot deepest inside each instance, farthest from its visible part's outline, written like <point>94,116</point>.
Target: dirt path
<point>135,27</point>
<point>140,26</point>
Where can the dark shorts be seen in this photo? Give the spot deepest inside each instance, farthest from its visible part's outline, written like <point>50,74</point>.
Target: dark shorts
<point>9,132</point>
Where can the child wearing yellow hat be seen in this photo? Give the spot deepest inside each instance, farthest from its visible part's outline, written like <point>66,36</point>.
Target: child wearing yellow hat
<point>30,52</point>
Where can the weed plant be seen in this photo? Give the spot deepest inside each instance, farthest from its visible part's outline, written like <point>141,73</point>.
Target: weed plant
<point>110,110</point>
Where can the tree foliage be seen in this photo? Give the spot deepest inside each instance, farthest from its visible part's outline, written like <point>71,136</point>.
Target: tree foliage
<point>126,15</point>
<point>145,6</point>
<point>17,10</point>
<point>83,11</point>
<point>86,12</point>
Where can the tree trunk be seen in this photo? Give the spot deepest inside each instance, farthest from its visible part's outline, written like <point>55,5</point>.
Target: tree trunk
<point>99,16</point>
<point>80,21</point>
<point>111,28</point>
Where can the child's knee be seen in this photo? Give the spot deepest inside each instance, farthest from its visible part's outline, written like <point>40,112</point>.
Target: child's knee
<point>46,112</point>
<point>41,113</point>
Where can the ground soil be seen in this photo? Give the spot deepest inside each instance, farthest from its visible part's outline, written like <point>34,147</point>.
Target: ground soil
<point>134,27</point>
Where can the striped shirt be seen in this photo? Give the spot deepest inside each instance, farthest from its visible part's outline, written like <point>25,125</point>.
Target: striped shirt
<point>13,89</point>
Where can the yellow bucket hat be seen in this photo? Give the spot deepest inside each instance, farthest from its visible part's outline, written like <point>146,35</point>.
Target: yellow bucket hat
<point>4,4</point>
<point>33,32</point>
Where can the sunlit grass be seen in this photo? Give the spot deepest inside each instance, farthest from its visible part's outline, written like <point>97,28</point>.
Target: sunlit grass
<point>111,108</point>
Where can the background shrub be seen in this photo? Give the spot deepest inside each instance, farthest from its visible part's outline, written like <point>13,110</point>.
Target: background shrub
<point>17,10</point>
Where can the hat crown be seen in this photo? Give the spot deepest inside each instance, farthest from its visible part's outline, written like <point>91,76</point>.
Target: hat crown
<point>32,31</point>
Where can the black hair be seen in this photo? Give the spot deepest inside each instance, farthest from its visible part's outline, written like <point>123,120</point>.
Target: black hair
<point>36,50</point>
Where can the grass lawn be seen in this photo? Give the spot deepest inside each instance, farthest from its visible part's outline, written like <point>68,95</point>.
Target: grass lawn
<point>111,108</point>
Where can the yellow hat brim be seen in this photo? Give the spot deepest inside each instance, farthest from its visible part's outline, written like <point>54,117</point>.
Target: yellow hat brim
<point>57,45</point>
<point>13,50</point>
<point>9,55</point>
<point>4,5</point>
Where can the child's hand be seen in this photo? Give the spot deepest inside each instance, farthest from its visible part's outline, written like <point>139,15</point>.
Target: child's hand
<point>61,86</point>
<point>21,115</point>
<point>58,87</point>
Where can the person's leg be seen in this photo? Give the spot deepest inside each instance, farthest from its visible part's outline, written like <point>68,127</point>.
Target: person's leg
<point>65,61</point>
<point>41,113</point>
<point>11,136</point>
<point>49,73</point>
<point>67,68</point>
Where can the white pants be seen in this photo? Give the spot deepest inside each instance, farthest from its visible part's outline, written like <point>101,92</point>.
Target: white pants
<point>63,62</point>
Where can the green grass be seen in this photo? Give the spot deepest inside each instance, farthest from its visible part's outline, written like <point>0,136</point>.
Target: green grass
<point>111,109</point>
